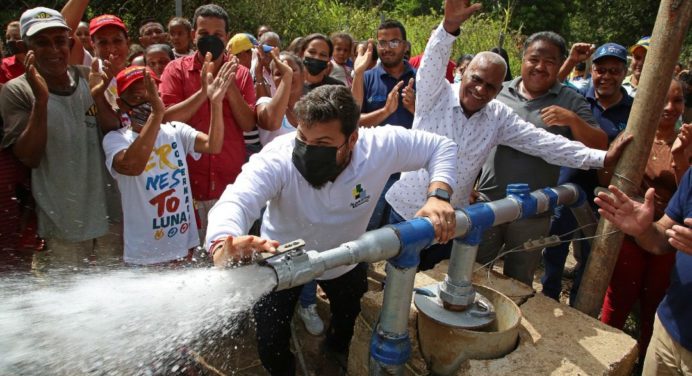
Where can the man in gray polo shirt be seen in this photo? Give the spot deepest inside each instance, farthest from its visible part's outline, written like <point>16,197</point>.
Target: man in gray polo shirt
<point>539,98</point>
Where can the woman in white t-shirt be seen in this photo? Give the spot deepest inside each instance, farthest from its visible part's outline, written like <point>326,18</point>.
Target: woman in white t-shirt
<point>275,115</point>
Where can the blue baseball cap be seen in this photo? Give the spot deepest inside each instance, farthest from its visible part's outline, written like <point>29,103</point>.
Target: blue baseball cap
<point>610,50</point>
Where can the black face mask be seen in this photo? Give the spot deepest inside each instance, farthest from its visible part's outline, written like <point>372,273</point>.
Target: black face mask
<point>210,43</point>
<point>317,164</point>
<point>15,47</point>
<point>314,66</point>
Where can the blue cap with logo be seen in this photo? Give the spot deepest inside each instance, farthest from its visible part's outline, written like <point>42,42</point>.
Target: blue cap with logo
<point>610,50</point>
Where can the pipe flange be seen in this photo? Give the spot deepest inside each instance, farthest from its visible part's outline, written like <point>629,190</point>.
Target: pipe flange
<point>478,315</point>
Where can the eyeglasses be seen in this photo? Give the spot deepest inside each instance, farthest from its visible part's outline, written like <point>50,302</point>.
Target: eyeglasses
<point>613,71</point>
<point>394,43</point>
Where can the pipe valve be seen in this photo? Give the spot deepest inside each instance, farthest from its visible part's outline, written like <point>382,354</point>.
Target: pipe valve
<point>293,265</point>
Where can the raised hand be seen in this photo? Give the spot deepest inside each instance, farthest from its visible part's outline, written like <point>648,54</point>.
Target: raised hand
<point>38,84</point>
<point>283,67</point>
<point>581,52</point>
<point>630,216</point>
<point>362,62</point>
<point>152,94</point>
<point>684,139</point>
<point>99,78</point>
<point>207,67</point>
<point>458,11</point>
<point>392,103</point>
<point>409,96</point>
<point>217,87</point>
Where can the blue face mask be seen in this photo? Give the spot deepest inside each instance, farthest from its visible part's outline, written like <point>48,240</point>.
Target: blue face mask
<point>457,78</point>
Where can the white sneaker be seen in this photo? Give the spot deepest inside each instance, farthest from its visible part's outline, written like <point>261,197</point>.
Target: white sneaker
<point>313,322</point>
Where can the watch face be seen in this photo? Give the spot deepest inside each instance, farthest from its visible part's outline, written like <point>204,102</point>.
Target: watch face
<point>440,193</point>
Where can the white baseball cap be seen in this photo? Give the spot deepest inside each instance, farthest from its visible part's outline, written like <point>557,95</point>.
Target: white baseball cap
<point>41,18</point>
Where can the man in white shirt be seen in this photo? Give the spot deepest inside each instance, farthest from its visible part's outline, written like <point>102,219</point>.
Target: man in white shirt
<point>322,185</point>
<point>468,114</point>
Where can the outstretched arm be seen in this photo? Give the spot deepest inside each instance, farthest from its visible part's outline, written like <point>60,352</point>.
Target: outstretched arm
<point>636,219</point>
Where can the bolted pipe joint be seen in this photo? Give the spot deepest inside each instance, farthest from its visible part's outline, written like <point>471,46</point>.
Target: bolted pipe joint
<point>388,349</point>
<point>414,235</point>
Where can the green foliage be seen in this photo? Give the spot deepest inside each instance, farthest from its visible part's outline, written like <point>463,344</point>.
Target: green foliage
<point>596,21</point>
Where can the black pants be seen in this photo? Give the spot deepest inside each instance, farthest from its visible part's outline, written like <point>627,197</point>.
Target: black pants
<point>273,314</point>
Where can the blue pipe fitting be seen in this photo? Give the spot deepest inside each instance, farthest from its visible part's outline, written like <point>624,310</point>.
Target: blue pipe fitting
<point>522,192</point>
<point>482,218</point>
<point>390,350</point>
<point>414,235</point>
<point>581,199</point>
<point>552,196</point>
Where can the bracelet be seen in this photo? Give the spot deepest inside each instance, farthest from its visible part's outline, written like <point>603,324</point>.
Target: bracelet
<point>218,243</point>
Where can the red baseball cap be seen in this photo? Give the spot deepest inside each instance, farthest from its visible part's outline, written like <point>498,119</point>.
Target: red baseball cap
<point>104,20</point>
<point>130,75</point>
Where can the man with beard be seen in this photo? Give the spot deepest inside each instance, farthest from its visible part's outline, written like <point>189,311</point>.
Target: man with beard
<point>185,95</point>
<point>324,195</point>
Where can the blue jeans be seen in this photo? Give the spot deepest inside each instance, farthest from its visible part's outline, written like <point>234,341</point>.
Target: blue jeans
<point>431,256</point>
<point>380,216</point>
<point>308,294</point>
<point>554,257</point>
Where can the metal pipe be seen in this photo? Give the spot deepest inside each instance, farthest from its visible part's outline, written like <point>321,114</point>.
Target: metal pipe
<point>390,346</point>
<point>669,33</point>
<point>401,244</point>
<point>456,291</point>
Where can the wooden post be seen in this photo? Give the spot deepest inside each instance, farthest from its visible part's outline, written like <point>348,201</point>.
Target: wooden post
<point>669,33</point>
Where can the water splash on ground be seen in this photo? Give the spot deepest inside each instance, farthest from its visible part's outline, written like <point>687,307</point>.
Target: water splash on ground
<point>119,322</point>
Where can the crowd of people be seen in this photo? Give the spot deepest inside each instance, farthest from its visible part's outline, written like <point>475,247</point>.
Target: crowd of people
<point>124,151</point>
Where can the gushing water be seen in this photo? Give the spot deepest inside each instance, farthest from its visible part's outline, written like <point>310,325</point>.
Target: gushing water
<point>119,322</point>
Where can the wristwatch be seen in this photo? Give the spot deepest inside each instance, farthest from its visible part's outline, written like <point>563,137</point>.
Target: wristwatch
<point>440,194</point>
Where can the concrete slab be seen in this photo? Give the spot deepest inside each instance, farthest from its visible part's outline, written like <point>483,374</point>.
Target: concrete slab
<point>555,339</point>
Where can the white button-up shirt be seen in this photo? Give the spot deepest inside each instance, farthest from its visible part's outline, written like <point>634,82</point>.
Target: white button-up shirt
<point>338,212</point>
<point>438,110</point>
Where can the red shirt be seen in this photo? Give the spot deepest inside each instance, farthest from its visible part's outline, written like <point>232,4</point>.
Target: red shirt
<point>10,68</point>
<point>415,62</point>
<point>209,175</point>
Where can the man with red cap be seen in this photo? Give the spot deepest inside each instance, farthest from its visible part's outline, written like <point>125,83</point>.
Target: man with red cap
<point>147,159</point>
<point>185,95</point>
<point>54,122</point>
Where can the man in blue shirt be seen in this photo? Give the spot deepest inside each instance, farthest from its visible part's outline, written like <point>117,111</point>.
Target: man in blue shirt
<point>378,83</point>
<point>670,350</point>
<point>386,94</point>
<point>610,105</point>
